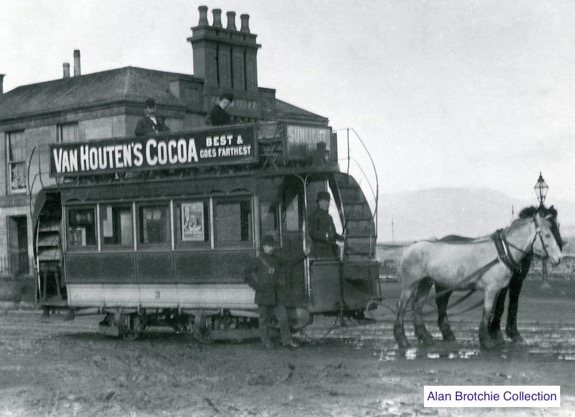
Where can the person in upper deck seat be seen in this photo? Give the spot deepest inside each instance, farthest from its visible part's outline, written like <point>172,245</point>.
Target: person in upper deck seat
<point>151,123</point>
<point>218,115</point>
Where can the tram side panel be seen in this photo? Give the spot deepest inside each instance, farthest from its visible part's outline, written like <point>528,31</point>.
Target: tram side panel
<point>158,280</point>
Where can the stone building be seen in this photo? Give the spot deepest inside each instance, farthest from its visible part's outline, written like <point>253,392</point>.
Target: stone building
<point>108,104</point>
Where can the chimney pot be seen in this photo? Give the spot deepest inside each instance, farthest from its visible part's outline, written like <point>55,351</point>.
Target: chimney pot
<point>217,18</point>
<point>2,83</point>
<point>77,69</point>
<point>231,20</point>
<point>66,68</point>
<point>203,16</point>
<point>245,18</point>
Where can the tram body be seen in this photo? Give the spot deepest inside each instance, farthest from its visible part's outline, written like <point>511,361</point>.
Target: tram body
<point>167,244</point>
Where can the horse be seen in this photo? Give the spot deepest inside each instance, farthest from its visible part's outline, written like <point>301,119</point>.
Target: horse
<point>514,287</point>
<point>481,263</point>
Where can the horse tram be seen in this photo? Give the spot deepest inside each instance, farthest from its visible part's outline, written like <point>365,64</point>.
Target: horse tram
<point>157,230</point>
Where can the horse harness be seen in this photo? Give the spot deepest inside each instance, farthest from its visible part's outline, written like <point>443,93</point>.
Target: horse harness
<point>503,252</point>
<point>504,255</point>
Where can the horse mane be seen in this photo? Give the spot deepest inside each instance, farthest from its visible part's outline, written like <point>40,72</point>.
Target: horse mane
<point>530,211</point>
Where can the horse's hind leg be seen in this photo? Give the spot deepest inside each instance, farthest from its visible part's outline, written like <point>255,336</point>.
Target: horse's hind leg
<point>418,301</point>
<point>488,303</point>
<point>442,295</point>
<point>398,328</point>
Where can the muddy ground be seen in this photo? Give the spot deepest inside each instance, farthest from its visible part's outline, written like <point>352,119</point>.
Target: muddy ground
<point>63,368</point>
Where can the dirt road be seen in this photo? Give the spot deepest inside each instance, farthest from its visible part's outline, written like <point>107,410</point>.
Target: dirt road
<point>67,369</point>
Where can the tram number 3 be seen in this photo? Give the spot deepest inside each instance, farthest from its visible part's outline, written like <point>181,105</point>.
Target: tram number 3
<point>157,294</point>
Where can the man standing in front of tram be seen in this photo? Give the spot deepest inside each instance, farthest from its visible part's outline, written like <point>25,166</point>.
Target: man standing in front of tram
<point>265,275</point>
<point>150,123</point>
<point>321,230</point>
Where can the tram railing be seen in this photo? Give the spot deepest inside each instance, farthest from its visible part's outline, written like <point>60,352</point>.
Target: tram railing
<point>352,160</point>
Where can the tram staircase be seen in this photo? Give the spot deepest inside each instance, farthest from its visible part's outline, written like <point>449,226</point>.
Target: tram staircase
<point>359,225</point>
<point>49,256</point>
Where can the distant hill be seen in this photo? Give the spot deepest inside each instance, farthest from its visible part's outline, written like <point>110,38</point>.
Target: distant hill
<point>473,212</point>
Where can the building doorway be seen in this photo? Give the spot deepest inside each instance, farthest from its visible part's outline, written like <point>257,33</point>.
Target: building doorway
<point>18,245</point>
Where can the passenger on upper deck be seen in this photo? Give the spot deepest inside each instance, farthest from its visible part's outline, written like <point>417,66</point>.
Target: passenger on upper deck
<point>150,123</point>
<point>321,229</point>
<point>219,116</point>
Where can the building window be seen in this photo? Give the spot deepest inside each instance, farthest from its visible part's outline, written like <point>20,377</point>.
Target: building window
<point>232,222</point>
<point>154,226</point>
<point>81,227</point>
<point>68,132</point>
<point>117,227</point>
<point>16,161</point>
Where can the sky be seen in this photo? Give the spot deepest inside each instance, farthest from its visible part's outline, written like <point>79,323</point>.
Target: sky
<point>443,93</point>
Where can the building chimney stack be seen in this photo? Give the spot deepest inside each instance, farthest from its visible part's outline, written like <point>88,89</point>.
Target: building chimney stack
<point>77,70</point>
<point>245,18</point>
<point>217,18</point>
<point>231,20</point>
<point>2,83</point>
<point>203,16</point>
<point>66,68</point>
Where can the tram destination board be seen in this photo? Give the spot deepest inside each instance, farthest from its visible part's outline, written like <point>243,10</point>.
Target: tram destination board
<point>218,146</point>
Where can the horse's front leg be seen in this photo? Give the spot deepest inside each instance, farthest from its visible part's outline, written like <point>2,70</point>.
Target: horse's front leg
<point>442,295</point>
<point>495,323</point>
<point>485,339</point>
<point>511,328</point>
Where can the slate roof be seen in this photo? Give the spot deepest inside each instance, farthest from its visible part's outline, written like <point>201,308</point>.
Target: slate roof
<point>127,84</point>
<point>119,85</point>
<point>285,110</point>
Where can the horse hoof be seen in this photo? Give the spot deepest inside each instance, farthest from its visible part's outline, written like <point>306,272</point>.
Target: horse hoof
<point>449,337</point>
<point>402,342</point>
<point>487,343</point>
<point>426,341</point>
<point>403,345</point>
<point>497,338</point>
<point>514,336</point>
<point>517,338</point>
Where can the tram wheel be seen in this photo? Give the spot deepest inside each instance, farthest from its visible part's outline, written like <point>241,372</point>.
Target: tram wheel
<point>134,329</point>
<point>201,330</point>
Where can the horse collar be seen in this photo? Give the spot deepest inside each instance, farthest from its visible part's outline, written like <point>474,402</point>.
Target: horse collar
<point>503,251</point>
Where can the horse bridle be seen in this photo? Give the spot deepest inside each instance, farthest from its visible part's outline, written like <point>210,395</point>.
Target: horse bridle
<point>537,234</point>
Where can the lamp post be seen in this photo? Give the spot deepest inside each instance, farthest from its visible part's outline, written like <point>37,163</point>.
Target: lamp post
<point>541,189</point>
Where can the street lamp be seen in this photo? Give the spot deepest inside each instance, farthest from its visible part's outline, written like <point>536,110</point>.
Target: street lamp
<point>541,189</point>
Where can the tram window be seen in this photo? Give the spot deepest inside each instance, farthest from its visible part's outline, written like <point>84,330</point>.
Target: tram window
<point>291,215</point>
<point>117,229</point>
<point>154,225</point>
<point>269,221</point>
<point>81,227</point>
<point>232,222</point>
<point>192,224</point>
